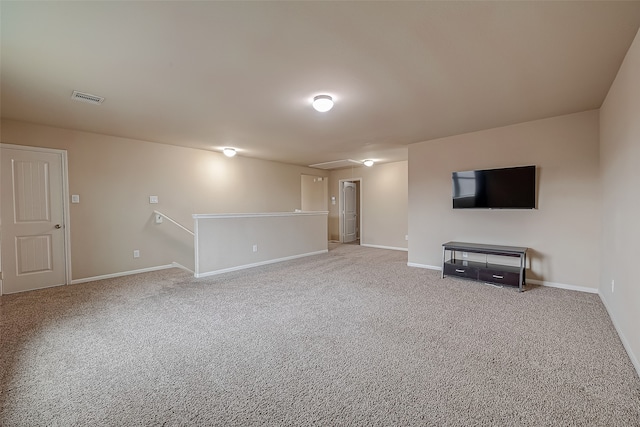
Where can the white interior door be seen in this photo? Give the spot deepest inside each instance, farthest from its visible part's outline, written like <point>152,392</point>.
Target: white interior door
<point>350,218</point>
<point>32,218</point>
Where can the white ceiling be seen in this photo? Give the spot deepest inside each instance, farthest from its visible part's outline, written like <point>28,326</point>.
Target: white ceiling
<point>242,74</point>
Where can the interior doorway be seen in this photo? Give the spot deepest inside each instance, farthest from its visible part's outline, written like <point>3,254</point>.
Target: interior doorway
<point>34,214</point>
<point>350,207</point>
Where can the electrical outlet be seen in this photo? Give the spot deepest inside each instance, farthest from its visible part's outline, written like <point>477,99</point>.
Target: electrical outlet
<point>136,253</point>
<point>153,199</point>
<point>255,248</point>
<point>465,255</point>
<point>406,237</point>
<point>613,285</point>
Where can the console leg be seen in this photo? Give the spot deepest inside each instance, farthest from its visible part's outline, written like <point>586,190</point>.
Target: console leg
<point>523,266</point>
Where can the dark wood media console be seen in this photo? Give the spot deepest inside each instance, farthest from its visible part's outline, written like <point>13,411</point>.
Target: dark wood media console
<point>483,271</point>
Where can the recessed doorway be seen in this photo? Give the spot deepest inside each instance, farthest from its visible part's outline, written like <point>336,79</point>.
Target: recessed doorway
<point>350,208</point>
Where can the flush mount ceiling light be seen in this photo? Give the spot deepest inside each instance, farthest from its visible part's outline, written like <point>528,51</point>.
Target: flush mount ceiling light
<point>368,163</point>
<point>322,103</point>
<point>229,152</point>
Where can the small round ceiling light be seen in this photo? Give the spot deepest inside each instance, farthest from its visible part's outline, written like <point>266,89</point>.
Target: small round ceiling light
<point>229,152</point>
<point>368,163</point>
<point>322,103</point>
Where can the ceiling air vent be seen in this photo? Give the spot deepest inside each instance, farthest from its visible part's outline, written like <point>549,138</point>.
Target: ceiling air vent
<point>86,97</point>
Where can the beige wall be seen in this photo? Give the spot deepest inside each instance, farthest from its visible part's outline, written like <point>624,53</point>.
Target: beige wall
<point>619,158</point>
<point>314,193</point>
<point>384,203</point>
<point>563,232</point>
<point>115,177</point>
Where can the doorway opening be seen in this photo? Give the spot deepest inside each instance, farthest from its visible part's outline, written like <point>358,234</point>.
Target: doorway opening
<point>350,207</point>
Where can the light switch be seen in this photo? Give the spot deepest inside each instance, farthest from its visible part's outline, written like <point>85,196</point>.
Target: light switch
<point>153,199</point>
<point>75,198</point>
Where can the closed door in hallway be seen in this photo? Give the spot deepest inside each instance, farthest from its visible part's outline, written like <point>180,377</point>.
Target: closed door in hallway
<point>350,216</point>
<point>32,218</point>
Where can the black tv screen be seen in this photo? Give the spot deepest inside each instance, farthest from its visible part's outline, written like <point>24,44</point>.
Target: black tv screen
<point>507,188</point>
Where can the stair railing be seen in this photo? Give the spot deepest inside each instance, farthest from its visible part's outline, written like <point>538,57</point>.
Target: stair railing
<point>160,215</point>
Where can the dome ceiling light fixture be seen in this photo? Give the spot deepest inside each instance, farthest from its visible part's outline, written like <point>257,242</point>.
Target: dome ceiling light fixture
<point>368,163</point>
<point>322,103</point>
<point>229,152</point>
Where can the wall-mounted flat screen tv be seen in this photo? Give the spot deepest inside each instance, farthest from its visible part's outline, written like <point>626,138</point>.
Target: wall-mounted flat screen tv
<point>506,188</point>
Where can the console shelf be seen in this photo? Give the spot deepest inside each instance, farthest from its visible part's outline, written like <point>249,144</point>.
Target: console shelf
<point>484,271</point>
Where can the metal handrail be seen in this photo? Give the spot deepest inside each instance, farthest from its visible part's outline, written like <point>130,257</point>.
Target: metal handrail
<point>174,221</point>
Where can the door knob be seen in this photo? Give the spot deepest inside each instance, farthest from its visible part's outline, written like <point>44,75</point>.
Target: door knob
<point>58,226</point>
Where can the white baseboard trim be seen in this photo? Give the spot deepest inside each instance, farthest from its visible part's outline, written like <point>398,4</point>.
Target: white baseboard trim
<point>393,248</point>
<point>258,264</point>
<point>124,273</point>
<point>562,286</point>
<point>625,342</point>
<point>182,267</point>
<point>429,267</point>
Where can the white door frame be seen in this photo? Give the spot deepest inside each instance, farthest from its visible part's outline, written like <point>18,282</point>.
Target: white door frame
<point>65,203</point>
<point>341,206</point>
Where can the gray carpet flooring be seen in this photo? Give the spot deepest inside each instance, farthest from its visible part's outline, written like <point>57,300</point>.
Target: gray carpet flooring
<point>353,337</point>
